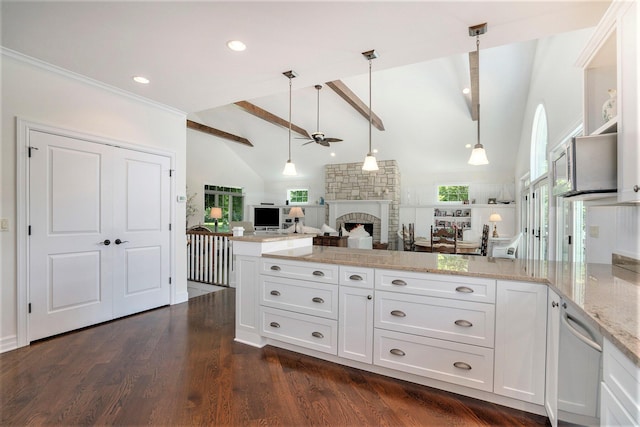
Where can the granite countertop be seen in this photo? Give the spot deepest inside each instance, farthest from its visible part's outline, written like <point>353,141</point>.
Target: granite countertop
<point>609,295</point>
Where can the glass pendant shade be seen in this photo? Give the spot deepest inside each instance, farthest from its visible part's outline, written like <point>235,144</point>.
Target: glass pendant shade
<point>370,163</point>
<point>478,156</point>
<point>289,168</point>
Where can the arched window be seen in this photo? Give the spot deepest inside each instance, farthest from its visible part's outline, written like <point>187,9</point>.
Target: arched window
<point>539,164</point>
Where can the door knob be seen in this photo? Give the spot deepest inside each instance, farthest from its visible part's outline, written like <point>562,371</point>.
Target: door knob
<point>118,241</point>
<point>106,242</point>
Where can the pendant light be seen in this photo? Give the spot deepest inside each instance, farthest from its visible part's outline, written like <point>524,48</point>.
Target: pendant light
<point>478,155</point>
<point>290,167</point>
<point>370,163</point>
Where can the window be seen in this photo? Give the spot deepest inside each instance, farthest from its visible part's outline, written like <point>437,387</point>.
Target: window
<point>539,164</point>
<point>230,199</point>
<point>298,196</point>
<point>453,193</point>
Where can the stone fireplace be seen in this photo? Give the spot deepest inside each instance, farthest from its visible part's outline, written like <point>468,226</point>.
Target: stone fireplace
<point>374,197</point>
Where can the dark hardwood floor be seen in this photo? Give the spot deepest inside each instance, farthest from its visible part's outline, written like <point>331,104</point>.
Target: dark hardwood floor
<point>179,365</point>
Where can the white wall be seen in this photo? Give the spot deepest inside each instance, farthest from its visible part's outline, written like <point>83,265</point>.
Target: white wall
<point>556,82</point>
<point>41,94</point>
<point>210,161</point>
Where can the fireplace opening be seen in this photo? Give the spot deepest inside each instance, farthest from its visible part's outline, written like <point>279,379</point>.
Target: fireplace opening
<point>368,226</point>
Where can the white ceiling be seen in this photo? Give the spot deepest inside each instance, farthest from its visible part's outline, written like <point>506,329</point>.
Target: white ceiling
<point>417,80</point>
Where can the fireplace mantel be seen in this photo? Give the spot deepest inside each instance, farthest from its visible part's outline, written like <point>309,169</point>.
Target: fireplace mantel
<point>377,208</point>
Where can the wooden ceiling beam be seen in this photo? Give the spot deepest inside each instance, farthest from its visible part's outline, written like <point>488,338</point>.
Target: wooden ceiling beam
<point>475,84</point>
<point>271,118</point>
<point>217,132</point>
<point>352,99</point>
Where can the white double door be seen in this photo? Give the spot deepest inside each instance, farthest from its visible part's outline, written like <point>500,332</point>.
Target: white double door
<point>99,246</point>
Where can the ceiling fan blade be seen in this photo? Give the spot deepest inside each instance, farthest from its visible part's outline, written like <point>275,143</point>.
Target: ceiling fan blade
<point>308,142</point>
<point>333,140</point>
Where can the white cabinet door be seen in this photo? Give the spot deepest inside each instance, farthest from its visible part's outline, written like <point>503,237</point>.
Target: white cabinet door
<point>520,343</point>
<point>355,324</point>
<point>553,342</point>
<point>141,235</point>
<point>70,260</point>
<point>628,110</point>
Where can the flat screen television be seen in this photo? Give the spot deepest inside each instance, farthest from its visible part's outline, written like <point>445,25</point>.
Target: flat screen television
<point>266,217</point>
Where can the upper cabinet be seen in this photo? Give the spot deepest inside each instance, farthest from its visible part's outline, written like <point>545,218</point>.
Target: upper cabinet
<point>610,63</point>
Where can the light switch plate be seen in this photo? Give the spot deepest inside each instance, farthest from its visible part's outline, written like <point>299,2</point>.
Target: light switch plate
<point>594,231</point>
<point>4,224</point>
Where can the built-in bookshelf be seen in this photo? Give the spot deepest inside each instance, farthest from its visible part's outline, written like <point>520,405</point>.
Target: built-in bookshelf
<point>457,217</point>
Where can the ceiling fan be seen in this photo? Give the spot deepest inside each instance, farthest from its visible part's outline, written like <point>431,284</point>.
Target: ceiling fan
<point>317,136</point>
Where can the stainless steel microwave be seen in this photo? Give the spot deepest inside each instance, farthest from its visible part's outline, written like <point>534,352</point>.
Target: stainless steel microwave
<point>586,164</point>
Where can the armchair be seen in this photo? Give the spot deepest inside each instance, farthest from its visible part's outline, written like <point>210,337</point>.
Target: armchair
<point>507,250</point>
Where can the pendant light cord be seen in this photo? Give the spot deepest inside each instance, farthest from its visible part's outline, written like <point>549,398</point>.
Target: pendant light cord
<point>478,106</point>
<point>289,118</point>
<point>370,118</point>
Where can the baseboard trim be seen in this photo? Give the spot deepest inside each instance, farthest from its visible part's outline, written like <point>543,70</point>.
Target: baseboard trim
<point>8,343</point>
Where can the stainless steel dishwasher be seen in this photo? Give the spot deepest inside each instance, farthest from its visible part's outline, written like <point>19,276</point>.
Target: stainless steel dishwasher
<point>579,369</point>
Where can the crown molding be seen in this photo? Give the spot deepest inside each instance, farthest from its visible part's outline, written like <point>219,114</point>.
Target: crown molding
<point>87,80</point>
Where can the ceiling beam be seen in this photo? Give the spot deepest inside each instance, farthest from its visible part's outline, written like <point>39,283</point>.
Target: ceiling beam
<point>217,132</point>
<point>475,84</point>
<point>271,118</point>
<point>352,99</point>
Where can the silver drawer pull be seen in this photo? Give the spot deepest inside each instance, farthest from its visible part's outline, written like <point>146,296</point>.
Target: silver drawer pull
<point>398,313</point>
<point>355,277</point>
<point>399,282</point>
<point>318,273</point>
<point>397,352</point>
<point>462,365</point>
<point>275,268</point>
<point>464,289</point>
<point>276,293</point>
<point>464,323</point>
<point>317,335</point>
<point>274,324</point>
<point>318,300</point>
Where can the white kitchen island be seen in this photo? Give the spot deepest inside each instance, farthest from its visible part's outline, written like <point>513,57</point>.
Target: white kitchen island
<point>471,325</point>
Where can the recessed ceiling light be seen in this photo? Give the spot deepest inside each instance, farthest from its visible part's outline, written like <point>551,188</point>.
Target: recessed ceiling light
<point>466,91</point>
<point>467,146</point>
<point>140,79</point>
<point>375,150</point>
<point>236,45</point>
<point>333,154</point>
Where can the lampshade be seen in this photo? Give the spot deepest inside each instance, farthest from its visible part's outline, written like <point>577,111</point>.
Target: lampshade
<point>216,213</point>
<point>370,163</point>
<point>495,217</point>
<point>289,168</point>
<point>478,155</point>
<point>296,212</point>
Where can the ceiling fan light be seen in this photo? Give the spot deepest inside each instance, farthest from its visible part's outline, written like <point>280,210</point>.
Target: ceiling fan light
<point>370,163</point>
<point>478,156</point>
<point>289,169</point>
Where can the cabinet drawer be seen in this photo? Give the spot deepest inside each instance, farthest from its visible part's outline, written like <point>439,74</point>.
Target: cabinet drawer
<point>459,321</point>
<point>623,379</point>
<point>360,277</point>
<point>306,331</point>
<point>437,285</point>
<point>317,299</point>
<point>461,364</point>
<point>316,272</point>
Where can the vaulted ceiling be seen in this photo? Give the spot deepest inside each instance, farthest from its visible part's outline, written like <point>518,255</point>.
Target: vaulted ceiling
<point>417,80</point>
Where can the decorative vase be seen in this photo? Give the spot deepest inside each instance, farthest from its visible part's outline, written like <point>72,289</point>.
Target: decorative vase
<point>609,108</point>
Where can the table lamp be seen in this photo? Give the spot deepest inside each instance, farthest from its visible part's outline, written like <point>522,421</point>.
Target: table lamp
<point>495,217</point>
<point>216,213</point>
<point>296,213</point>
